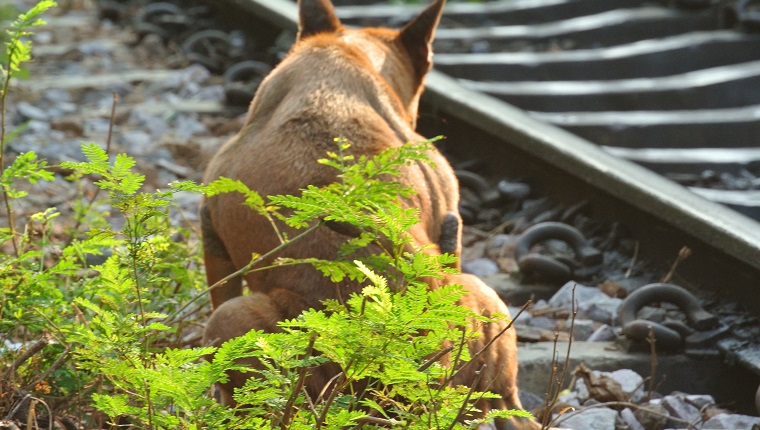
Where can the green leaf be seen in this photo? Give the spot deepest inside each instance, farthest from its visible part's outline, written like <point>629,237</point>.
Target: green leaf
<point>114,406</point>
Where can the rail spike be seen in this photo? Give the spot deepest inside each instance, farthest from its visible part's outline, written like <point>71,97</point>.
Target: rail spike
<point>668,336</point>
<point>551,268</point>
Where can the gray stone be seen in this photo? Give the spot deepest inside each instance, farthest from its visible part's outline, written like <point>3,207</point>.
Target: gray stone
<point>581,390</point>
<point>57,96</point>
<point>154,124</point>
<point>591,402</point>
<point>590,302</point>
<point>523,319</point>
<point>96,125</point>
<point>513,190</point>
<point>679,407</point>
<point>37,127</point>
<point>652,415</point>
<point>570,399</point>
<point>582,329</point>
<point>604,333</point>
<point>211,93</point>
<point>589,419</point>
<point>526,333</point>
<point>544,323</point>
<point>602,309</point>
<point>62,108</point>
<point>564,296</point>
<point>700,400</point>
<point>136,141</point>
<point>630,419</point>
<point>29,111</point>
<point>652,314</point>
<point>628,379</point>
<point>95,47</point>
<point>187,125</point>
<point>481,267</point>
<point>515,293</point>
<point>730,421</point>
<point>185,82</point>
<point>474,251</point>
<point>500,245</point>
<point>630,382</point>
<point>530,400</point>
<point>536,362</point>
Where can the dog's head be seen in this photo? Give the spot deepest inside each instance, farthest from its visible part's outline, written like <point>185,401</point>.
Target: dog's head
<point>401,57</point>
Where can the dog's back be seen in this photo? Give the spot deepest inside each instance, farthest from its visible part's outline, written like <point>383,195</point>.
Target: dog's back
<point>362,85</point>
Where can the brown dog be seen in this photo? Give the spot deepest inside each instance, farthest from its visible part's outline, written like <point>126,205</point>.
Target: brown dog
<point>363,85</point>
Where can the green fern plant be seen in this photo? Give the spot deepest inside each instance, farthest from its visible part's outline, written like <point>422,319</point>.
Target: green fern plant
<point>109,334</point>
<point>382,339</point>
<point>18,51</point>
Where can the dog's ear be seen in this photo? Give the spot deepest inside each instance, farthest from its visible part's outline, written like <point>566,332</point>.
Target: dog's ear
<point>417,36</point>
<point>316,16</point>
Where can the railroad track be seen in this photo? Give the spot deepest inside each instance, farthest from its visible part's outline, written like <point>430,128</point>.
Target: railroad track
<point>465,104</point>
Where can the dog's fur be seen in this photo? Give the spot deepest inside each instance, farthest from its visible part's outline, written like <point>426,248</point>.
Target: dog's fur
<point>363,85</point>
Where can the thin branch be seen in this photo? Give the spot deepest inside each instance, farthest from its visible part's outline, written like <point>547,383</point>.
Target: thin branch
<point>435,358</point>
<point>552,397</point>
<point>652,362</point>
<point>53,367</point>
<point>382,422</point>
<point>299,385</point>
<point>634,259</point>
<point>340,381</point>
<point>6,197</point>
<point>683,254</point>
<point>627,405</point>
<point>243,270</point>
<point>489,343</point>
<point>26,355</point>
<point>464,408</point>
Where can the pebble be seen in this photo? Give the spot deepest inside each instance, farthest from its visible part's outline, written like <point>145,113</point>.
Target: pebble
<point>630,382</point>
<point>28,111</point>
<point>544,323</point>
<point>603,309</point>
<point>604,333</point>
<point>731,421</point>
<point>652,415</point>
<point>138,141</point>
<point>572,290</point>
<point>630,420</point>
<point>582,329</point>
<point>590,302</point>
<point>500,245</point>
<point>589,419</point>
<point>152,123</point>
<point>480,267</point>
<point>523,319</point>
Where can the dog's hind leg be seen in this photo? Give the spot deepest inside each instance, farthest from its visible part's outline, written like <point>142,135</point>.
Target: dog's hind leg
<point>257,311</point>
<point>218,263</point>
<point>234,318</point>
